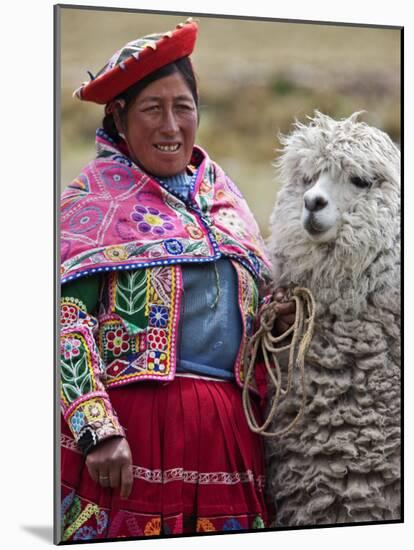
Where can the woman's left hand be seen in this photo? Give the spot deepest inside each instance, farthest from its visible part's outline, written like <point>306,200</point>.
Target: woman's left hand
<point>287,312</point>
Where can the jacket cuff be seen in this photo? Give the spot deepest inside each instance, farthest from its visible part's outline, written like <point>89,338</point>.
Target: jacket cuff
<point>93,421</point>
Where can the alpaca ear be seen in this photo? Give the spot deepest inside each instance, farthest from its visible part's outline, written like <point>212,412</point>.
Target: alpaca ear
<point>354,117</point>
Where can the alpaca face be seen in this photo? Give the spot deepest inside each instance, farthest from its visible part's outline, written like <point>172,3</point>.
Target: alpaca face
<point>326,198</point>
<point>338,207</point>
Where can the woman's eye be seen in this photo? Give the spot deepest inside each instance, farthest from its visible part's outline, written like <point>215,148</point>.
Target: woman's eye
<point>152,108</point>
<point>360,182</point>
<point>184,107</point>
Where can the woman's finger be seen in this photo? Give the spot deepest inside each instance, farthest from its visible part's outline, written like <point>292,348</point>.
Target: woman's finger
<point>104,478</point>
<point>93,472</point>
<point>115,476</point>
<point>288,319</point>
<point>286,308</point>
<point>127,480</point>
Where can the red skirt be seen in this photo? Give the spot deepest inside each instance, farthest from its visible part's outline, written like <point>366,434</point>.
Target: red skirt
<point>197,467</point>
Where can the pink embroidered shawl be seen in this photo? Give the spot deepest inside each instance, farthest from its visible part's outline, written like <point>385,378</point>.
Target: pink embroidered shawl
<point>115,216</point>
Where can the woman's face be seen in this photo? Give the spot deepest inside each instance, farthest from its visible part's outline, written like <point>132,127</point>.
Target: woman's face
<point>161,125</point>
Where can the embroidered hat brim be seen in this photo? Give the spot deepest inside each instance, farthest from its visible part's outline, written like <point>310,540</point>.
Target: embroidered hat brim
<point>136,60</point>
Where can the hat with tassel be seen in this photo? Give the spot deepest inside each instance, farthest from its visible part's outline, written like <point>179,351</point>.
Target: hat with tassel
<point>136,60</point>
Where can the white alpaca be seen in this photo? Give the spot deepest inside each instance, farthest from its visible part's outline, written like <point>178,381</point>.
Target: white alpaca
<point>336,230</point>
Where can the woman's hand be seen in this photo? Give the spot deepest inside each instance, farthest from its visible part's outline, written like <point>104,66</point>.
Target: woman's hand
<point>110,464</point>
<point>287,311</point>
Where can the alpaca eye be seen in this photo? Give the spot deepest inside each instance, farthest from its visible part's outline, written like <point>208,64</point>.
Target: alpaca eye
<point>361,183</point>
<point>307,180</point>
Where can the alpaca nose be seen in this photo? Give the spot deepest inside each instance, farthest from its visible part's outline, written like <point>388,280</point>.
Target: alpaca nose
<point>315,203</point>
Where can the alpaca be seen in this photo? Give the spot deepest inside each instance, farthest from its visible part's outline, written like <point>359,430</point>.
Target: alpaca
<point>335,229</point>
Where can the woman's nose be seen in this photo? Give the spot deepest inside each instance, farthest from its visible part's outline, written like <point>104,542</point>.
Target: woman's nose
<point>169,122</point>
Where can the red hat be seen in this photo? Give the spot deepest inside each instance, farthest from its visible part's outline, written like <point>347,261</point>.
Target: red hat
<point>138,59</point>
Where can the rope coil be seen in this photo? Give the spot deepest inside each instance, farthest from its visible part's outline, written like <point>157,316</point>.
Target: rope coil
<point>302,333</point>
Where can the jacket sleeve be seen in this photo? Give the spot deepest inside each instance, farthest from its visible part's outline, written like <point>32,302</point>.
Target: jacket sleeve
<point>85,403</point>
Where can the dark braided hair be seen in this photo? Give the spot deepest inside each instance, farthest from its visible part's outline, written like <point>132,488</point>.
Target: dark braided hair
<point>182,66</point>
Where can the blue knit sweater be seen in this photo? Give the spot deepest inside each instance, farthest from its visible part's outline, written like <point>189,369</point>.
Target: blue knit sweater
<point>211,326</point>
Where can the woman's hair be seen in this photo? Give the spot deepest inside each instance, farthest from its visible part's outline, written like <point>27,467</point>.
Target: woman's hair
<point>182,66</point>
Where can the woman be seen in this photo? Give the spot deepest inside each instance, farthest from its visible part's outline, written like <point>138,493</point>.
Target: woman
<point>163,270</point>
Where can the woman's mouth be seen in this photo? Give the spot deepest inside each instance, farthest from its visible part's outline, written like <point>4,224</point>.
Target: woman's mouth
<point>170,148</point>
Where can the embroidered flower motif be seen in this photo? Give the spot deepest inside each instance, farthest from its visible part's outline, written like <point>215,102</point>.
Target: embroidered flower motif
<point>117,341</point>
<point>118,177</point>
<point>77,421</point>
<point>151,220</point>
<point>194,231</point>
<point>231,525</point>
<point>68,314</point>
<point>116,368</point>
<point>157,361</point>
<point>70,348</point>
<point>204,524</point>
<point>86,219</point>
<point>205,186</point>
<point>229,220</point>
<point>172,246</point>
<point>102,521</point>
<point>85,533</point>
<point>104,428</point>
<point>258,523</point>
<point>94,410</point>
<point>158,316</point>
<point>157,339</point>
<point>153,527</point>
<point>223,196</point>
<point>115,253</point>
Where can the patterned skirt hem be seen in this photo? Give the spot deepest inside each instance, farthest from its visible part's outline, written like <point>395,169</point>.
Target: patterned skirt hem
<point>85,520</point>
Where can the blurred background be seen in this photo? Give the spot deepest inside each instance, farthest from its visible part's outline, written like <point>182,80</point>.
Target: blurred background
<point>255,78</point>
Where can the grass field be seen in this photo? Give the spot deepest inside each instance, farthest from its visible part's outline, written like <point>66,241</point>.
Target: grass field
<point>255,77</point>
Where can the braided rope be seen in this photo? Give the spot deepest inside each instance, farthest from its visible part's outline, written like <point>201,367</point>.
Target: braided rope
<point>302,333</point>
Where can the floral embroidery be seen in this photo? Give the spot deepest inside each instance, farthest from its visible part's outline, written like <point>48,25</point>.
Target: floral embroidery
<point>173,246</point>
<point>194,231</point>
<point>76,371</point>
<point>118,177</point>
<point>115,253</point>
<point>85,533</point>
<point>85,219</point>
<point>117,341</point>
<point>231,525</point>
<point>77,421</point>
<point>70,348</point>
<point>157,339</point>
<point>94,410</point>
<point>205,186</point>
<point>157,361</point>
<point>258,523</point>
<point>151,220</point>
<point>104,428</point>
<point>229,220</point>
<point>223,196</point>
<point>158,316</point>
<point>153,527</point>
<point>204,524</point>
<point>68,314</point>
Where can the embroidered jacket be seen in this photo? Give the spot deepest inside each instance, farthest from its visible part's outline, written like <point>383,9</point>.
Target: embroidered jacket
<point>117,220</point>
